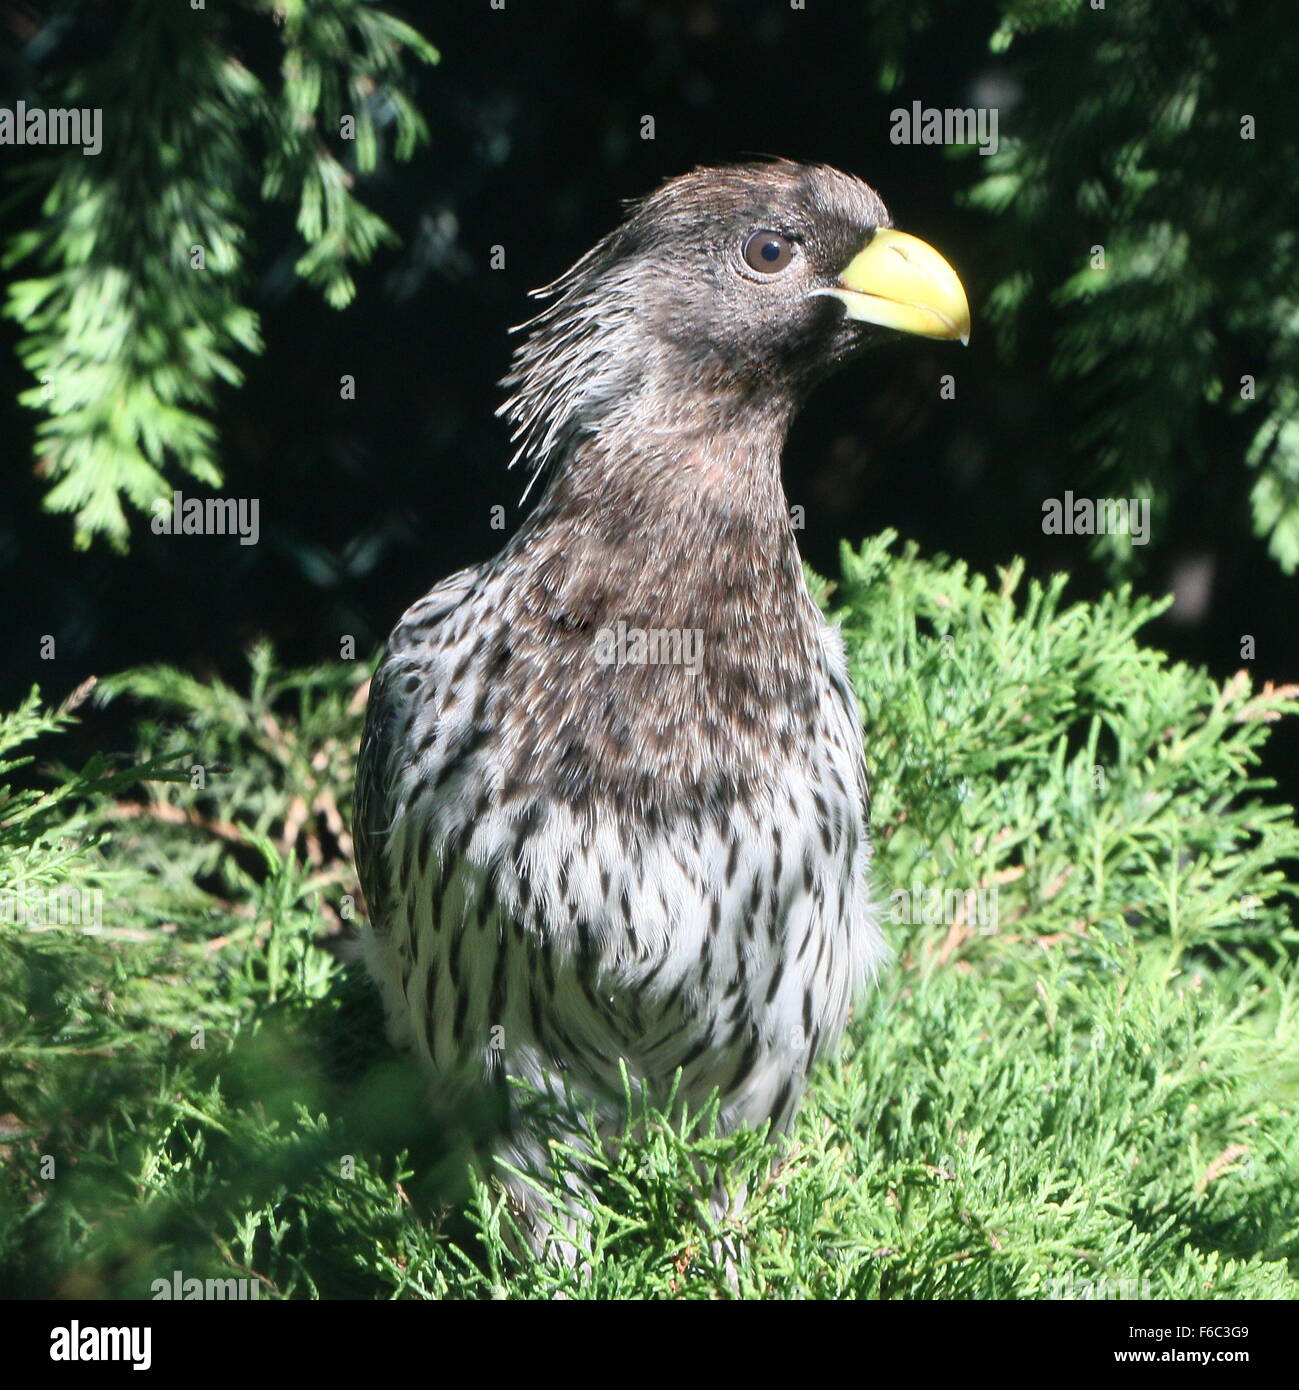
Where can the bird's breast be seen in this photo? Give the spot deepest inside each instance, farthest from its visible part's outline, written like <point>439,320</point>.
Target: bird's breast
<point>599,854</point>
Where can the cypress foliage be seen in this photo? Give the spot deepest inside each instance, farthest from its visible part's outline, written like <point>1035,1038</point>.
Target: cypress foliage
<point>135,306</point>
<point>1077,1080</point>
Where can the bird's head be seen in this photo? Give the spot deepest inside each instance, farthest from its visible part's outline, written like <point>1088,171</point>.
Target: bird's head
<point>747,282</point>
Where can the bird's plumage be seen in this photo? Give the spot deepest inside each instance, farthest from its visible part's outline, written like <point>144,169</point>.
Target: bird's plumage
<point>575,862</point>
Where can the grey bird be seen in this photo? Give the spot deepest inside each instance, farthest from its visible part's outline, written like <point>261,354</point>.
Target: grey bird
<point>611,806</point>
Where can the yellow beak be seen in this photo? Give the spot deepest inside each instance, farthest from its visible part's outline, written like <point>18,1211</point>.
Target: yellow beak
<point>899,281</point>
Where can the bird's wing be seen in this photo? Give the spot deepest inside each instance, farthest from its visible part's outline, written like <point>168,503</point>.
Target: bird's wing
<point>382,744</point>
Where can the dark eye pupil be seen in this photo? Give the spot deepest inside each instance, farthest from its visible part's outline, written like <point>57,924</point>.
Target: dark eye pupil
<point>768,251</point>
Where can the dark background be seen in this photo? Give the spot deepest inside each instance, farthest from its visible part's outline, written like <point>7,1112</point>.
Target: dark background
<point>535,114</point>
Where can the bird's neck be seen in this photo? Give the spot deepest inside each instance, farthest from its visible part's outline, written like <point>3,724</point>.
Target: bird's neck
<point>684,545</point>
<point>683,501</point>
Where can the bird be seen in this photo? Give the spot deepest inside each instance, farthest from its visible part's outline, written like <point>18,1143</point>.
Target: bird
<point>611,812</point>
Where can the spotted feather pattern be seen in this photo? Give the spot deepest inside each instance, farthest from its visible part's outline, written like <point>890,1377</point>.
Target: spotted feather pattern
<point>574,866</point>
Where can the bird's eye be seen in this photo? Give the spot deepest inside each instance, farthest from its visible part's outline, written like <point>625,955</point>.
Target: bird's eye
<point>768,251</point>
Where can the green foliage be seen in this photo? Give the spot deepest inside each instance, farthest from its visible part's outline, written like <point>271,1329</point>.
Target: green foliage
<point>269,771</point>
<point>1131,132</point>
<point>1085,1085</point>
<point>1163,136</point>
<point>1043,754</point>
<point>129,337</point>
<point>53,870</point>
